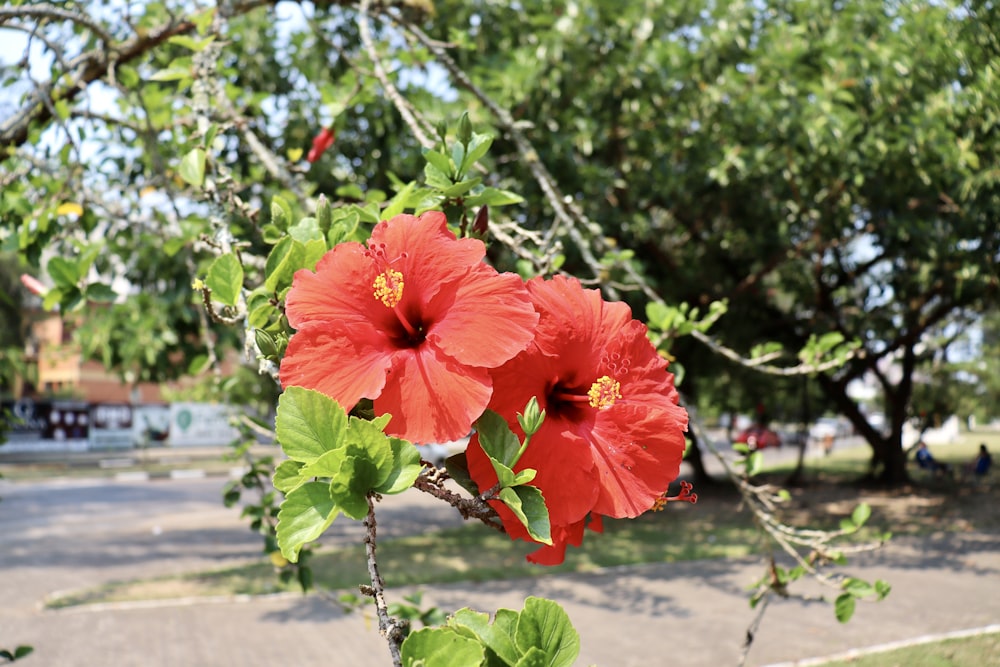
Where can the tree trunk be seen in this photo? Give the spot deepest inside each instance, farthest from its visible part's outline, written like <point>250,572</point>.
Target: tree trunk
<point>701,476</point>
<point>889,462</point>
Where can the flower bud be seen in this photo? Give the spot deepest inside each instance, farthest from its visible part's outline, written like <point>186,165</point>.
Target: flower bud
<point>532,418</point>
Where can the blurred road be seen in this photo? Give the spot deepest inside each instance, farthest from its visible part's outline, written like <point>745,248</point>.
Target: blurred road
<point>60,534</point>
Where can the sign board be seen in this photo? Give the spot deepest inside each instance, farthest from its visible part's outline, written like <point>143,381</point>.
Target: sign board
<point>150,425</point>
<point>201,424</point>
<point>111,426</point>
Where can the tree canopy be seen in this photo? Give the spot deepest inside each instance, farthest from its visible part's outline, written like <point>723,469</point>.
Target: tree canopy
<point>827,169</point>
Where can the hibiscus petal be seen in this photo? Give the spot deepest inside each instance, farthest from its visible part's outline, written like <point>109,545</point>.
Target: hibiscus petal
<point>571,314</point>
<point>326,359</point>
<point>430,397</point>
<point>340,290</point>
<point>485,321</point>
<point>635,457</point>
<point>565,471</point>
<point>427,254</point>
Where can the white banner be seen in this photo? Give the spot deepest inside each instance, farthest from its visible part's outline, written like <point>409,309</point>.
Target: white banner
<point>201,424</point>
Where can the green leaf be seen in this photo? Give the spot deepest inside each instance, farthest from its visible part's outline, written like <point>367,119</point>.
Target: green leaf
<point>534,657</point>
<point>497,636</point>
<point>442,163</point>
<point>101,293</point>
<point>198,364</point>
<point>459,189</point>
<point>306,229</point>
<point>225,279</point>
<point>858,587</point>
<point>313,252</point>
<point>288,476</point>
<point>441,647</point>
<point>882,589</point>
<point>172,74</point>
<point>192,169</point>
<point>754,463</point>
<point>405,468</point>
<point>505,476</point>
<point>843,608</point>
<point>847,525</point>
<point>658,315</point>
<point>285,259</point>
<point>305,513</point>
<point>398,204</point>
<point>524,477</point>
<point>458,468</point>
<point>496,438</point>
<point>479,145</point>
<point>191,43</point>
<point>527,503</point>
<point>494,197</point>
<point>65,273</point>
<point>356,476</point>
<point>544,624</point>
<point>309,424</point>
<point>861,514</point>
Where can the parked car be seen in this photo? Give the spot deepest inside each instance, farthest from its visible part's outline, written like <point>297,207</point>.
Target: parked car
<point>758,437</point>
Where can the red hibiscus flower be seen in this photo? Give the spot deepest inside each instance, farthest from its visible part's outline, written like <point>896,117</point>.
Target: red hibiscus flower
<point>613,434</point>
<point>415,320</point>
<point>320,143</point>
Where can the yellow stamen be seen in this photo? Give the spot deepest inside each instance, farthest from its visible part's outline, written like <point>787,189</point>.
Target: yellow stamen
<point>604,393</point>
<point>388,288</point>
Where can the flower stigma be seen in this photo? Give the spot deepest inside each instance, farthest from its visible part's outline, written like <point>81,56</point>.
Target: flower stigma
<point>388,287</point>
<point>604,392</point>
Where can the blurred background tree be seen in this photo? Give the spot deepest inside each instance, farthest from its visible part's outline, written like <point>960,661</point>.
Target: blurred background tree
<point>828,168</point>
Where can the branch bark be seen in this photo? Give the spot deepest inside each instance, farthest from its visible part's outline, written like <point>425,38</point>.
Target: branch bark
<point>92,66</point>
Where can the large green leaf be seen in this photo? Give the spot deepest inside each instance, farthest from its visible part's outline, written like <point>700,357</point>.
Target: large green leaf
<point>498,636</point>
<point>285,259</point>
<point>305,513</point>
<point>225,279</point>
<point>544,624</point>
<point>405,468</point>
<point>65,272</point>
<point>309,424</point>
<point>288,476</point>
<point>441,647</point>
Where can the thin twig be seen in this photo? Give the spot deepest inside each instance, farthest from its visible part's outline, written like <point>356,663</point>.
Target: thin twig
<point>390,627</point>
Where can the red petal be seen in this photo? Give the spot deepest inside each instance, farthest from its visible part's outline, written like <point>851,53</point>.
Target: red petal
<point>340,290</point>
<point>431,398</point>
<point>637,452</point>
<point>487,320</point>
<point>346,368</point>
<point>427,253</point>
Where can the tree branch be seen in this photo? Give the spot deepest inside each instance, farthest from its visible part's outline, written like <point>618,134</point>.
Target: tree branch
<point>95,65</point>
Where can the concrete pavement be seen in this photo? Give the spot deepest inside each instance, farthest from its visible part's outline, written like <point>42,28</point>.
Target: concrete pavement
<point>690,613</point>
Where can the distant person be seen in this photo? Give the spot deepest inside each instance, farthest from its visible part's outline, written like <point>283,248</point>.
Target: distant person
<point>927,461</point>
<point>980,465</point>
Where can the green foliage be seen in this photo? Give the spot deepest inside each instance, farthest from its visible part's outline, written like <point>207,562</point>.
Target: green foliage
<point>540,635</point>
<point>17,654</point>
<point>351,460</point>
<point>504,450</point>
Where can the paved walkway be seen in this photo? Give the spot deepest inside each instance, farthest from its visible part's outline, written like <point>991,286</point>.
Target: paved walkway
<point>692,613</point>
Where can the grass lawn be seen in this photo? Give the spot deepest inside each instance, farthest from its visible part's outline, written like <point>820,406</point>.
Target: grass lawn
<point>979,650</point>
